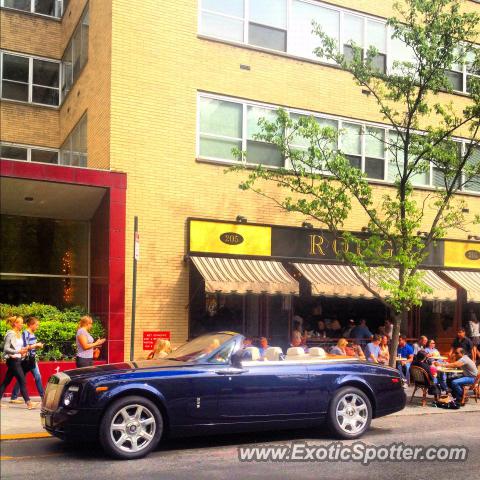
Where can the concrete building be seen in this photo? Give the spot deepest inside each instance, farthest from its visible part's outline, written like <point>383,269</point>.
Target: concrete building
<point>111,110</point>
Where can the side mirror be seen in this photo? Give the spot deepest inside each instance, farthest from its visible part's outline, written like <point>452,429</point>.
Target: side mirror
<point>236,359</point>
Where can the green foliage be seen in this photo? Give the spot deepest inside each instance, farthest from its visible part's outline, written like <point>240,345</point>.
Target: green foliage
<point>57,328</point>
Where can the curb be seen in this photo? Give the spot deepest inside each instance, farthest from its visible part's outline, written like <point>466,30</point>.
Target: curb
<point>24,436</point>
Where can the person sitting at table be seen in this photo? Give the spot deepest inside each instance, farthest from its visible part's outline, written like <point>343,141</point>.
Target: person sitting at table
<point>348,329</point>
<point>340,348</point>
<point>420,344</point>
<point>335,329</point>
<point>431,350</point>
<point>420,360</point>
<point>405,352</point>
<point>263,346</point>
<point>321,329</point>
<point>384,356</point>
<point>470,371</point>
<point>299,341</point>
<point>372,350</point>
<point>463,342</point>
<point>357,350</point>
<point>361,332</point>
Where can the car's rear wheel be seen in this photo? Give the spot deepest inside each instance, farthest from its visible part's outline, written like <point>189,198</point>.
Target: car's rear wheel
<point>131,428</point>
<point>350,413</point>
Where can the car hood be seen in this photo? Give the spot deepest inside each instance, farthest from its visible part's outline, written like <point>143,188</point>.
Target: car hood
<point>124,367</point>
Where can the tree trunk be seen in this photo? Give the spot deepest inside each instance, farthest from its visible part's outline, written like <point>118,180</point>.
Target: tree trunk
<point>397,322</point>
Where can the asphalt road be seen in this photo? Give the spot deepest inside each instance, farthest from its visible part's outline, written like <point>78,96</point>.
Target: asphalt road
<point>216,457</point>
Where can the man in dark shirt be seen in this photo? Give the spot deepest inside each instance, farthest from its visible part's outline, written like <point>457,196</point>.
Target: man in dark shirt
<point>361,333</point>
<point>463,342</point>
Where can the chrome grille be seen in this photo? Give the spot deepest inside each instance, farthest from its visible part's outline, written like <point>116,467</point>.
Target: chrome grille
<point>53,393</point>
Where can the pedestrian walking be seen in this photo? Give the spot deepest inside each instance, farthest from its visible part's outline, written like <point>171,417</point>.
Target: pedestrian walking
<point>85,343</point>
<point>29,362</point>
<point>14,351</point>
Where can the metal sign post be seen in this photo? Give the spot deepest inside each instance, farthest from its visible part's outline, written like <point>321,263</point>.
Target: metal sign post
<point>136,256</point>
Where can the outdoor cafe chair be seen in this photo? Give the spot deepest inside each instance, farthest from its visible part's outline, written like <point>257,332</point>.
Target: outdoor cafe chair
<point>474,388</point>
<point>421,381</point>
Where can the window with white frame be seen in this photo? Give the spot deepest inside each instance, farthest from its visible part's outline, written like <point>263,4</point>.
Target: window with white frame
<point>26,153</point>
<point>74,149</point>
<point>76,54</point>
<point>51,8</point>
<point>226,123</point>
<point>473,185</point>
<point>286,25</point>
<point>29,79</point>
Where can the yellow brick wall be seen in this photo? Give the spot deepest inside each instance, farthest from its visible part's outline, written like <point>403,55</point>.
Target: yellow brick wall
<point>158,65</point>
<point>29,124</point>
<point>30,34</point>
<point>91,91</point>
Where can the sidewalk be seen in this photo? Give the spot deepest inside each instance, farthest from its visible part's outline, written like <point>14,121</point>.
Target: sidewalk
<point>18,423</point>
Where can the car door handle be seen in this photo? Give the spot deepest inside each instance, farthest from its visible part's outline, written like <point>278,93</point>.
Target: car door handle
<point>230,371</point>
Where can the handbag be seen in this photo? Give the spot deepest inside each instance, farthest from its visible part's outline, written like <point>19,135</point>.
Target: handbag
<point>96,353</point>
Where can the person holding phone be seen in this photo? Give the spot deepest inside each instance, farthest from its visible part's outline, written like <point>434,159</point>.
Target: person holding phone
<point>85,343</point>
<point>29,362</point>
<point>14,352</point>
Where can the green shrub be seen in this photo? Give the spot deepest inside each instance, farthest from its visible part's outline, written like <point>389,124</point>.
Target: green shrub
<point>57,328</point>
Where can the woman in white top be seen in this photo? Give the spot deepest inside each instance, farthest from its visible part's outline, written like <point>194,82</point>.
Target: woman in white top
<point>14,351</point>
<point>85,343</point>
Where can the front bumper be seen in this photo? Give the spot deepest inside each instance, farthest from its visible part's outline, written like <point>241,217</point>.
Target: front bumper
<point>81,424</point>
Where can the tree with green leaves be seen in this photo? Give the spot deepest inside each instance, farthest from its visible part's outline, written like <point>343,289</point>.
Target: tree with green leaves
<point>424,126</point>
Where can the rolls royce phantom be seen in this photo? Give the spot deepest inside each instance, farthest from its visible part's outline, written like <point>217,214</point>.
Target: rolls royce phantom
<point>215,384</point>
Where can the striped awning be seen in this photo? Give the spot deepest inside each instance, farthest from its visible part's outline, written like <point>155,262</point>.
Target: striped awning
<point>341,281</point>
<point>470,281</point>
<point>232,275</point>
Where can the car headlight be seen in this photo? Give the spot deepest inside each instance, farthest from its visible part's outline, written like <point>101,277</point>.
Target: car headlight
<point>70,395</point>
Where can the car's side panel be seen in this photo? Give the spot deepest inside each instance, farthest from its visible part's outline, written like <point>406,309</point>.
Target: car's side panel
<point>264,391</point>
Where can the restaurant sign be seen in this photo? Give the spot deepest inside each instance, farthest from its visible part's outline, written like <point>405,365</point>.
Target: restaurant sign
<point>303,244</point>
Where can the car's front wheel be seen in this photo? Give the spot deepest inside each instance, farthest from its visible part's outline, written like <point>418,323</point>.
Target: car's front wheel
<point>350,413</point>
<point>131,428</point>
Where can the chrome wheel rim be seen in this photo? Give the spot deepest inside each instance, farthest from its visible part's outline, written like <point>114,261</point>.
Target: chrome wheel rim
<point>351,413</point>
<point>132,428</point>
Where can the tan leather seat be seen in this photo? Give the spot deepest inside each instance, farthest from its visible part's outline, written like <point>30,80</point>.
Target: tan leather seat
<point>254,352</point>
<point>295,353</point>
<point>273,354</point>
<point>317,352</point>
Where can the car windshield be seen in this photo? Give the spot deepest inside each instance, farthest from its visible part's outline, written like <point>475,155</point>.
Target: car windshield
<point>200,348</point>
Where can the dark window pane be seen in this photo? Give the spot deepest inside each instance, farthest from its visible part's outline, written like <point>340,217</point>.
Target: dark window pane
<point>473,185</point>
<point>18,4</point>
<point>355,162</point>
<point>76,48</point>
<point>44,156</point>
<point>46,7</point>
<point>84,46</point>
<point>45,73</point>
<point>455,79</point>
<point>267,37</point>
<point>43,246</point>
<point>15,91</point>
<point>15,68</point>
<point>264,153</point>
<point>13,153</point>
<point>379,63</point>
<point>60,292</point>
<point>374,168</point>
<point>47,96</point>
<point>348,52</point>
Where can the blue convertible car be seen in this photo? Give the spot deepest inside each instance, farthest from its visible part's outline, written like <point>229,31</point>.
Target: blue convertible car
<point>214,384</point>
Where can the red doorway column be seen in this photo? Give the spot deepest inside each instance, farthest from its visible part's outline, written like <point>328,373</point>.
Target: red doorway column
<point>107,288</point>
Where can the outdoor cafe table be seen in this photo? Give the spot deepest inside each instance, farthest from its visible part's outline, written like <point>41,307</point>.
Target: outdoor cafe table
<point>450,372</point>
